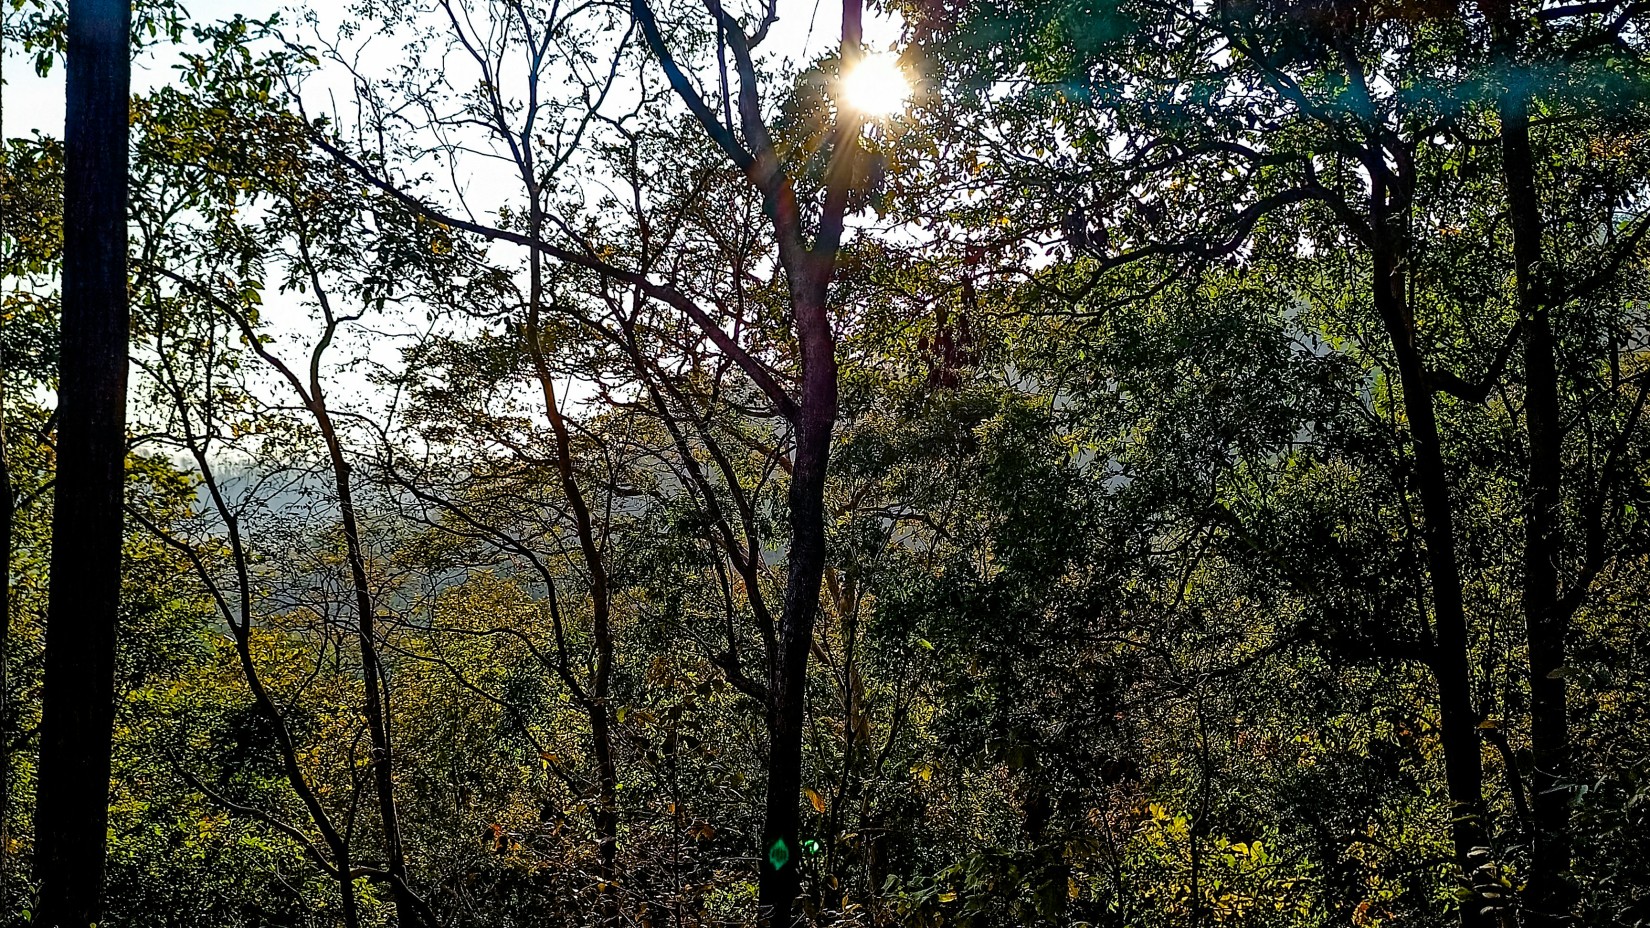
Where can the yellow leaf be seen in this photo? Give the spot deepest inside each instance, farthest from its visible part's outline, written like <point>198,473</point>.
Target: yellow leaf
<point>817,800</point>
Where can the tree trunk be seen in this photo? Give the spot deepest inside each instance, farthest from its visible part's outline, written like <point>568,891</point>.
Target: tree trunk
<point>1450,661</point>
<point>597,709</point>
<point>408,908</point>
<point>8,512</point>
<point>72,813</point>
<point>1549,892</point>
<point>780,881</point>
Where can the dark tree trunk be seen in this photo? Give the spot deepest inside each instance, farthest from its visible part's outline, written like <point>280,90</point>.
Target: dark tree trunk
<point>809,272</point>
<point>1450,660</point>
<point>8,512</point>
<point>71,817</point>
<point>780,881</point>
<point>1549,892</point>
<point>375,687</point>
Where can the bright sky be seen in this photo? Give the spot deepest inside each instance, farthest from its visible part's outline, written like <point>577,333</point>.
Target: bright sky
<point>805,29</point>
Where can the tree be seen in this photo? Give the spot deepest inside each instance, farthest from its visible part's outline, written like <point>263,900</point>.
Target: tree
<point>1368,118</point>
<point>1556,273</point>
<point>71,817</point>
<point>805,243</point>
<point>489,395</point>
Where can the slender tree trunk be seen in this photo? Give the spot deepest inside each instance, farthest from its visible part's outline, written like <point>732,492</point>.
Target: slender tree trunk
<point>8,513</point>
<point>239,619</point>
<point>408,910</point>
<point>809,272</point>
<point>780,881</point>
<point>1549,892</point>
<point>597,708</point>
<point>1450,662</point>
<point>72,813</point>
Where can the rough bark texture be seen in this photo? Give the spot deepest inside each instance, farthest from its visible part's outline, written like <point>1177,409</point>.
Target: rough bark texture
<point>71,817</point>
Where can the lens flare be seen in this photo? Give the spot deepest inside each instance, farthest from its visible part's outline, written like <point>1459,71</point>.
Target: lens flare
<point>876,86</point>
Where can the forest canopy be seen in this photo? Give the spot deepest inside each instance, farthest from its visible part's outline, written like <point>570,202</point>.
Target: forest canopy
<point>684,463</point>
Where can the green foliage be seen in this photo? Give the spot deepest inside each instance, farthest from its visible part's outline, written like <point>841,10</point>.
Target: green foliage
<point>1127,618</point>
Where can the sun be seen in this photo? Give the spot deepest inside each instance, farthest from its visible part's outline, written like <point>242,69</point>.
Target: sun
<point>876,86</point>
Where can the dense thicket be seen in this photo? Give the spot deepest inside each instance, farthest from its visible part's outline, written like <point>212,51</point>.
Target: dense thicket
<point>1188,467</point>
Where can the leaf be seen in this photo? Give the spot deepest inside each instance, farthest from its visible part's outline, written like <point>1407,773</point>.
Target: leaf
<point>815,799</point>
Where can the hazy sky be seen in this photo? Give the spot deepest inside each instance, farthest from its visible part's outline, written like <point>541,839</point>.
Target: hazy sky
<point>805,28</point>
